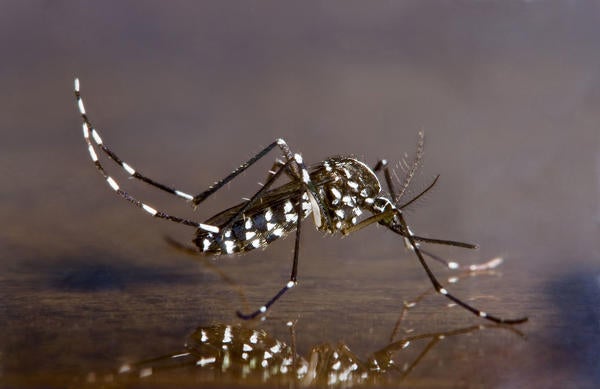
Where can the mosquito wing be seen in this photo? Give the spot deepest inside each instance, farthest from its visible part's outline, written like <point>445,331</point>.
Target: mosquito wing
<point>270,217</point>
<point>271,199</point>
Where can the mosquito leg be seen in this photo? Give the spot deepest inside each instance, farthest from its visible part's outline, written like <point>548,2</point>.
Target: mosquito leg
<point>368,221</point>
<point>276,166</point>
<point>296,166</point>
<point>445,242</point>
<point>89,129</point>
<point>196,200</point>
<point>90,133</point>
<point>293,276</point>
<point>383,165</point>
<point>152,211</point>
<point>473,270</point>
<point>440,288</point>
<point>124,165</point>
<point>406,305</point>
<point>381,216</point>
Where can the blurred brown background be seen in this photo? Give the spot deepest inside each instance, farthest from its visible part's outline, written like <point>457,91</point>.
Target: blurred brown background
<point>508,94</point>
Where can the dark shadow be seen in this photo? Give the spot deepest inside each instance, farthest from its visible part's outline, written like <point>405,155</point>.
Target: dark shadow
<point>577,297</point>
<point>96,272</point>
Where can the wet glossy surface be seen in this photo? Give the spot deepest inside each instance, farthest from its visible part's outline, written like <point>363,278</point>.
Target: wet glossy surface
<point>507,94</point>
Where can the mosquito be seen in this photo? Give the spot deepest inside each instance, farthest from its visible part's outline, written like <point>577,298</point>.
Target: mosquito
<point>342,194</point>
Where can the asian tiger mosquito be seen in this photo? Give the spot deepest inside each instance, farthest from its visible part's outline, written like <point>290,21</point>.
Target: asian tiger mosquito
<point>336,191</point>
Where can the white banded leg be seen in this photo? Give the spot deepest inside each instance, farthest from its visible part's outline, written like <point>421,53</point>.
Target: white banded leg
<point>298,168</point>
<point>90,130</point>
<point>384,215</point>
<point>90,133</point>
<point>443,291</point>
<point>127,167</point>
<point>383,165</point>
<point>219,184</point>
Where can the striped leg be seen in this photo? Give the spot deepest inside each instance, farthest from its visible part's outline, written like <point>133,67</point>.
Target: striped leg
<point>383,165</point>
<point>196,200</point>
<point>298,169</point>
<point>128,169</point>
<point>136,174</point>
<point>88,131</point>
<point>440,288</point>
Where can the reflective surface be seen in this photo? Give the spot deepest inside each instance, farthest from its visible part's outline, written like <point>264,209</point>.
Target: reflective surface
<point>507,95</point>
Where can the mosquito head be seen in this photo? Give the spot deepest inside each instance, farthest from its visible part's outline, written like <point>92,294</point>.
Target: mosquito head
<point>385,207</point>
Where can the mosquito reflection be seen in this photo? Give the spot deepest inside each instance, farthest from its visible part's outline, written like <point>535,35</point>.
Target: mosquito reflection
<point>235,353</point>
<point>239,354</point>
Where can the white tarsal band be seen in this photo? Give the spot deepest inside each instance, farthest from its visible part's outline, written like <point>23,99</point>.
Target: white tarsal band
<point>149,209</point>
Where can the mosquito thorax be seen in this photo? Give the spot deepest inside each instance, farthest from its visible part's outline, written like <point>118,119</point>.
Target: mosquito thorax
<point>349,188</point>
